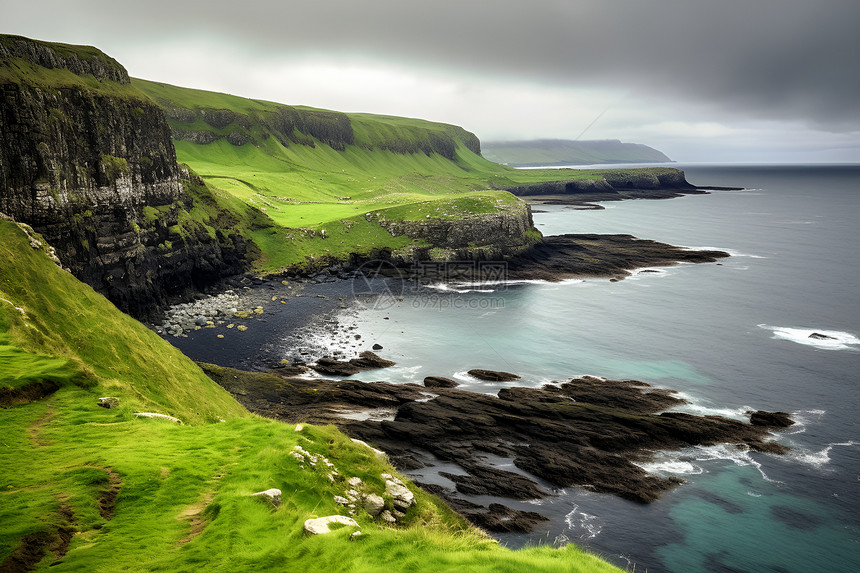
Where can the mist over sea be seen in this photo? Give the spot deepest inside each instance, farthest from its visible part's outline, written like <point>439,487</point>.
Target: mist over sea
<point>730,336</point>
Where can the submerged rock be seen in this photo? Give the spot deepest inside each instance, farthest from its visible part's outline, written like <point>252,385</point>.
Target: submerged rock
<point>819,336</point>
<point>772,419</point>
<point>439,382</point>
<point>493,375</point>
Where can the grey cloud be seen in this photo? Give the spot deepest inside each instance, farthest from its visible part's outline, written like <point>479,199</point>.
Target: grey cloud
<point>777,59</point>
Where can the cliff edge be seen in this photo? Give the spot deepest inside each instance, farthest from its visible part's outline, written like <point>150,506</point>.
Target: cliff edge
<point>87,160</point>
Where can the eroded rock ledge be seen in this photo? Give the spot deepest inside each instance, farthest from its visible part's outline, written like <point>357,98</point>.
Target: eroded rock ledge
<point>586,432</point>
<point>616,185</point>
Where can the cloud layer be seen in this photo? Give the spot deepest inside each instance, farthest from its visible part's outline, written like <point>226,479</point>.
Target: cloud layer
<point>701,61</point>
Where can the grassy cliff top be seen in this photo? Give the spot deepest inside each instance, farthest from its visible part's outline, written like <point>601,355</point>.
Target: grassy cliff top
<point>54,66</point>
<point>309,170</point>
<point>89,488</point>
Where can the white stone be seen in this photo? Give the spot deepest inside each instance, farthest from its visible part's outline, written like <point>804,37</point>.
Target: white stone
<point>373,504</point>
<point>403,498</point>
<point>354,481</point>
<point>387,517</point>
<point>272,495</point>
<point>155,415</point>
<point>379,453</point>
<point>320,525</point>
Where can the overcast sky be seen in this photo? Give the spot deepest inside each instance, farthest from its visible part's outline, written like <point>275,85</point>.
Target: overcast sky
<point>700,80</point>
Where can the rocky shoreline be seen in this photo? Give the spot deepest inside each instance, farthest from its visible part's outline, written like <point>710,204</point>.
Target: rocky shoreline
<point>586,432</point>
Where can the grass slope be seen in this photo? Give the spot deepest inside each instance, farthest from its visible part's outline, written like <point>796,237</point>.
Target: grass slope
<point>84,488</point>
<point>310,170</point>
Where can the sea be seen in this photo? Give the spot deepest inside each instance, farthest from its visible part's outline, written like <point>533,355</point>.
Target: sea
<point>730,337</point>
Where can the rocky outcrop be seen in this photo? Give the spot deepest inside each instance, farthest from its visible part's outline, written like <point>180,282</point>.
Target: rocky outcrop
<point>484,235</point>
<point>493,375</point>
<point>614,185</point>
<point>88,162</point>
<point>587,432</point>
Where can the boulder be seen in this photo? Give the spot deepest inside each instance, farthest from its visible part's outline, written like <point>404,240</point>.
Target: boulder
<point>108,402</point>
<point>368,360</point>
<point>439,382</point>
<point>322,525</point>
<point>373,504</point>
<point>402,498</point>
<point>376,347</point>
<point>819,336</point>
<point>272,495</point>
<point>771,419</point>
<point>387,517</point>
<point>493,375</point>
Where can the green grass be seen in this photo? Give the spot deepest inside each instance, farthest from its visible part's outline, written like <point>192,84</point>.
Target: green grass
<point>341,175</point>
<point>19,368</point>
<point>183,489</point>
<point>65,320</point>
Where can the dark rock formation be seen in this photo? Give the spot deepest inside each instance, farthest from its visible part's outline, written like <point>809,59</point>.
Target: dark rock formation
<point>367,360</point>
<point>493,375</point>
<point>577,256</point>
<point>615,185</point>
<point>484,236</point>
<point>439,382</point>
<point>587,432</point>
<point>88,162</point>
<point>771,419</point>
<point>819,336</point>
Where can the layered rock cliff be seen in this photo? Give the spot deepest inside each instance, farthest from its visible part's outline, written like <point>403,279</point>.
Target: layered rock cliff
<point>480,236</point>
<point>87,160</point>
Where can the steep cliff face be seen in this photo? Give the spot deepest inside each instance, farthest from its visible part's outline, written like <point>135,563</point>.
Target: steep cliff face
<point>87,160</point>
<point>480,236</point>
<point>614,185</point>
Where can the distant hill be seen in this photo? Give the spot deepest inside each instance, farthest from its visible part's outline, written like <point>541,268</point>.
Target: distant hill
<point>543,152</point>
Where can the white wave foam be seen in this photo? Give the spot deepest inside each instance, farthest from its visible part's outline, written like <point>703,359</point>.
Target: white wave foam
<point>802,419</point>
<point>738,455</point>
<point>671,466</point>
<point>818,459</point>
<point>649,272</point>
<point>492,286</point>
<point>589,525</point>
<point>693,407</point>
<point>731,252</point>
<point>462,288</point>
<point>830,339</point>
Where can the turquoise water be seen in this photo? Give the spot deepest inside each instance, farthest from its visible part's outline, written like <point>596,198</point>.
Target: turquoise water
<point>731,337</point>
